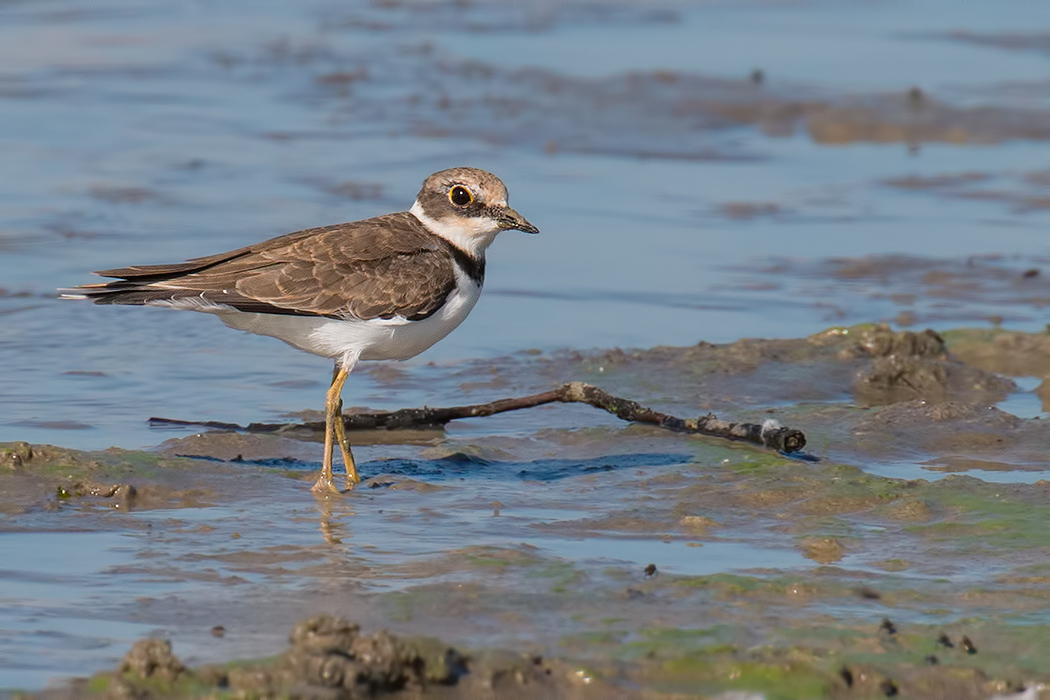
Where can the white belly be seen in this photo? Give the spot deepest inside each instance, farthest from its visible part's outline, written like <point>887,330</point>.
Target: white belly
<point>350,340</point>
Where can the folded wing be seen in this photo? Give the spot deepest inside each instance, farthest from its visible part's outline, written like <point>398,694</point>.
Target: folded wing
<point>378,268</point>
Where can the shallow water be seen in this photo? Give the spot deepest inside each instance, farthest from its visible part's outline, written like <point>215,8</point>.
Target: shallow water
<point>678,201</point>
<point>135,133</point>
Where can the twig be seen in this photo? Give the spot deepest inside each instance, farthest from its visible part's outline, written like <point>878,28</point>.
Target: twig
<point>769,434</point>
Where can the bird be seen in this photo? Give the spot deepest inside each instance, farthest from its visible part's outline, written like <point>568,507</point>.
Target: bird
<point>385,288</point>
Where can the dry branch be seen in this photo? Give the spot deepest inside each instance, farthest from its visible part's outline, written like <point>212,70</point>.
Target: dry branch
<point>769,434</point>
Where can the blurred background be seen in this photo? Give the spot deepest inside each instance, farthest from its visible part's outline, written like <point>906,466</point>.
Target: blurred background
<point>699,171</point>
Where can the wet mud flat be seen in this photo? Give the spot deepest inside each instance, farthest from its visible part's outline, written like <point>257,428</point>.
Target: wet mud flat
<point>559,552</point>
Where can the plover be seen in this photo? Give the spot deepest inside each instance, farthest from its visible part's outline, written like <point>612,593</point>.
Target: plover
<point>379,289</point>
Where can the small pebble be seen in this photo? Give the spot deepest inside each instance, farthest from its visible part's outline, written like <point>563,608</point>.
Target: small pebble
<point>867,593</point>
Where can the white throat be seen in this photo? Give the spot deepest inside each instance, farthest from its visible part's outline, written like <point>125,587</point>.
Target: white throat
<point>471,235</point>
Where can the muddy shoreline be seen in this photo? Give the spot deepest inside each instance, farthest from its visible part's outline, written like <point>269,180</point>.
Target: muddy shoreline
<point>771,575</point>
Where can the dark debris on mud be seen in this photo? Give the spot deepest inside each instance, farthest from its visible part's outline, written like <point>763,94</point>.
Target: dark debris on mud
<point>329,658</point>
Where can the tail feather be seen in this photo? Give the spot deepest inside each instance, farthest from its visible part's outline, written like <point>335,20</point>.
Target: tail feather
<point>121,292</point>
<point>142,293</point>
<point>135,284</point>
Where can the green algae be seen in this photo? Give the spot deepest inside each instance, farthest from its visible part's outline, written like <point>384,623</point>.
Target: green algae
<point>813,661</point>
<point>780,680</point>
<point>98,684</point>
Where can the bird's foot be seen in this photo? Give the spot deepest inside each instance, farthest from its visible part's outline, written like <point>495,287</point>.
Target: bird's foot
<point>324,485</point>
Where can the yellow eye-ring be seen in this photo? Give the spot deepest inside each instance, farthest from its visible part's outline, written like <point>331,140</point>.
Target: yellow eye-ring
<point>460,196</point>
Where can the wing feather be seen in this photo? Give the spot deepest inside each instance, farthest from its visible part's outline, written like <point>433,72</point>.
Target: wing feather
<point>378,268</point>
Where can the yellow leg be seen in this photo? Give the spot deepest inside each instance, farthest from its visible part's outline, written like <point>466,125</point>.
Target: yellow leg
<point>344,446</point>
<point>335,432</point>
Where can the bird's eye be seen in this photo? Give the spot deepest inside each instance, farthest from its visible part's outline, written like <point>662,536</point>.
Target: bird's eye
<point>460,196</point>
